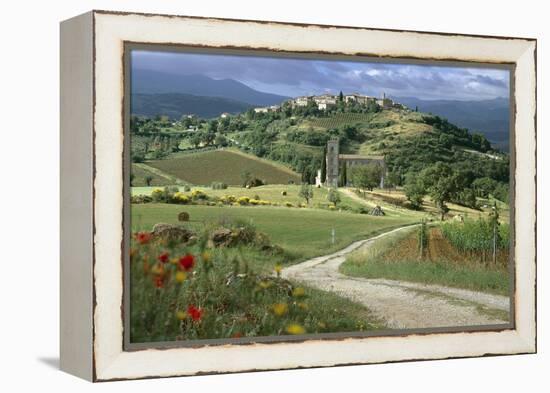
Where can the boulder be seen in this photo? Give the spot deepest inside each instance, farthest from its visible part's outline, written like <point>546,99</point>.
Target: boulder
<point>171,233</point>
<point>221,237</point>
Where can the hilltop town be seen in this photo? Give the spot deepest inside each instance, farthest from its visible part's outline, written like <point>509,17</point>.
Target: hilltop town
<point>328,101</point>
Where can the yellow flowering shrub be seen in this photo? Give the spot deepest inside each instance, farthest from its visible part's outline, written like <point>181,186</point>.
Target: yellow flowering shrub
<point>244,200</point>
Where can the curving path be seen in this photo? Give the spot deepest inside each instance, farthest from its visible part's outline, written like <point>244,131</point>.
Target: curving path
<point>401,304</point>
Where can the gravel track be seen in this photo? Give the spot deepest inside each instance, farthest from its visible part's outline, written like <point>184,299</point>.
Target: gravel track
<point>401,304</point>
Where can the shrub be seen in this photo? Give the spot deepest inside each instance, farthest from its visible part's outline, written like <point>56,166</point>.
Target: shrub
<point>140,199</point>
<point>254,182</point>
<point>218,186</point>
<point>158,195</point>
<point>283,193</point>
<point>244,200</point>
<point>186,188</point>
<point>198,195</point>
<point>333,196</point>
<point>288,204</point>
<point>180,197</point>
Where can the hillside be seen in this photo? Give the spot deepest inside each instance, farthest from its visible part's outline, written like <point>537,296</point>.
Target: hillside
<point>490,117</point>
<point>410,141</point>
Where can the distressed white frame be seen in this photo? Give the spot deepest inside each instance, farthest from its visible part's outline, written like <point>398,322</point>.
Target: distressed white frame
<point>111,30</point>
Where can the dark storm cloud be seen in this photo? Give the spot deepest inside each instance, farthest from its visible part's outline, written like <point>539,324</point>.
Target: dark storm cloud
<point>293,77</point>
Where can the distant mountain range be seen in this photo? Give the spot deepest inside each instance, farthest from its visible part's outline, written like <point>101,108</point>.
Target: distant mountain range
<point>153,82</point>
<point>176,105</point>
<point>489,117</point>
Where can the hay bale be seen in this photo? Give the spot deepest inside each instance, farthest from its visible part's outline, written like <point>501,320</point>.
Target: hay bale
<point>183,216</point>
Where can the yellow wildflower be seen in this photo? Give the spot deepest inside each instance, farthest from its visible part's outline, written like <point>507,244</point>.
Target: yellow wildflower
<point>181,315</point>
<point>206,256</point>
<point>298,292</point>
<point>302,306</point>
<point>280,309</point>
<point>158,269</point>
<point>181,276</point>
<point>264,284</point>
<point>174,261</point>
<point>294,328</point>
<point>278,268</point>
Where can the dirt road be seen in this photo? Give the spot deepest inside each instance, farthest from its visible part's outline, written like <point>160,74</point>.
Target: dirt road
<point>400,304</point>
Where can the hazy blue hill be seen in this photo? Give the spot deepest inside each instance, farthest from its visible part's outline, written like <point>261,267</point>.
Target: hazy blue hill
<point>489,117</point>
<point>153,82</point>
<point>176,105</point>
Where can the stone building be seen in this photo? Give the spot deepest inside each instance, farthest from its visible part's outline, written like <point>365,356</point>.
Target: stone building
<point>335,161</point>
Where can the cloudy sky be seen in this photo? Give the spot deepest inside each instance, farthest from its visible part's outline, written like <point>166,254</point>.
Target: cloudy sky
<point>295,77</point>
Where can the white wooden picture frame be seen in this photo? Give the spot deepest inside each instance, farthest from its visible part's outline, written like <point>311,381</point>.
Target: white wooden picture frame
<point>92,194</point>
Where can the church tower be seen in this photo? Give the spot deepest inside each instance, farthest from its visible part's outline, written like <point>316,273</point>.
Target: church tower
<point>332,162</point>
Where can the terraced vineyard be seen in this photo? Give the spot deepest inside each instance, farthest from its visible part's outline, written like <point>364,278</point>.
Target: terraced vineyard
<point>340,119</point>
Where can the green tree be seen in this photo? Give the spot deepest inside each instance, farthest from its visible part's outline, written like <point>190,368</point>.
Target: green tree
<point>392,180</point>
<point>196,139</point>
<point>306,192</point>
<point>343,176</point>
<point>324,166</point>
<point>366,176</point>
<point>484,186</point>
<point>414,190</point>
<point>440,182</point>
<point>246,176</point>
<point>220,140</point>
<point>341,96</point>
<point>333,196</point>
<point>148,180</point>
<point>208,137</point>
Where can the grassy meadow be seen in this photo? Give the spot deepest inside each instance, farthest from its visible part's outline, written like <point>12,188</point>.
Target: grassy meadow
<point>302,233</point>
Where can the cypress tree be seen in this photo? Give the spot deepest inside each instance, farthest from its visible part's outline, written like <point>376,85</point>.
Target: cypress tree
<point>324,166</point>
<point>344,175</point>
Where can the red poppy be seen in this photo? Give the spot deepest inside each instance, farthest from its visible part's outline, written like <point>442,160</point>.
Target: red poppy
<point>159,281</point>
<point>194,312</point>
<point>163,257</point>
<point>143,237</point>
<point>187,262</point>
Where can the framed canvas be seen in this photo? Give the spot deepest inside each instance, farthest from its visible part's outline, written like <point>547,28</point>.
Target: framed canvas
<point>245,195</point>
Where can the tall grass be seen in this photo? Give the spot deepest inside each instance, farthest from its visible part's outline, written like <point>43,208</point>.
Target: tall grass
<point>196,291</point>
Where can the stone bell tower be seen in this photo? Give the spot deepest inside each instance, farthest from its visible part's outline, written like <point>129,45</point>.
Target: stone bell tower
<point>332,162</point>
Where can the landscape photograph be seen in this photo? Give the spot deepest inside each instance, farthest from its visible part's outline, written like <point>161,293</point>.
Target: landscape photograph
<point>295,196</point>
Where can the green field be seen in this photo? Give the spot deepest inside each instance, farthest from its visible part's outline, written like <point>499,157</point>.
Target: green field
<point>224,166</point>
<point>303,233</point>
